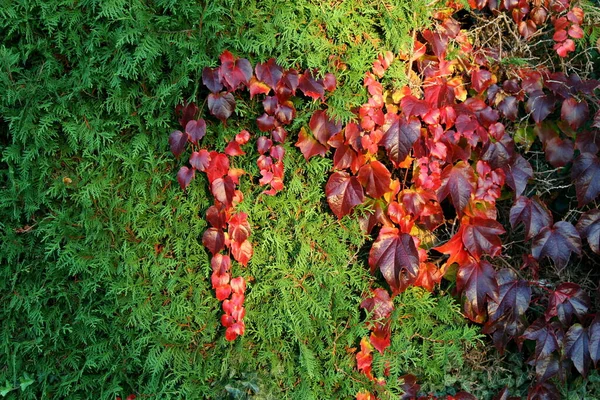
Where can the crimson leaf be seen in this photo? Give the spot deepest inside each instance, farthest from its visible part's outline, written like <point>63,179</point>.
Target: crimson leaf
<point>177,141</point>
<point>236,72</point>
<point>586,176</point>
<point>518,172</point>
<point>344,192</point>
<point>577,348</point>
<point>380,304</point>
<point>311,87</point>
<point>269,72</point>
<point>375,177</point>
<point>322,127</point>
<point>242,252</point>
<point>477,281</point>
<point>589,228</point>
<point>214,240</point>
<point>458,181</point>
<point>480,236</point>
<point>309,146</point>
<point>566,300</point>
<point>400,138</point>
<point>185,176</point>
<point>239,228</point>
<point>223,189</point>
<point>395,255</point>
<point>532,213</point>
<point>195,130</point>
<point>557,242</point>
<point>344,157</point>
<point>574,112</point>
<point>212,79</point>
<point>221,105</point>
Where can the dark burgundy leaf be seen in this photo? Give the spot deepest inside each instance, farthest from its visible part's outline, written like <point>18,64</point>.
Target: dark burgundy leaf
<point>480,236</point>
<point>177,141</point>
<point>212,79</point>
<point>196,130</point>
<point>546,367</point>
<point>329,82</point>
<point>558,152</point>
<point>567,300</point>
<point>380,304</point>
<point>409,386</point>
<point>400,138</point>
<point>540,105</point>
<point>588,141</point>
<point>532,81</point>
<point>214,240</point>
<point>265,122</point>
<point>285,112</point>
<point>411,106</point>
<point>577,348</point>
<point>509,107</point>
<point>586,176</point>
<point>185,176</point>
<point>311,87</point>
<point>221,105</point>
<point>476,280</point>
<point>309,146</point>
<point>532,213</point>
<point>518,172</point>
<point>438,42</point>
<point>594,334</point>
<point>270,104</point>
<point>322,127</point>
<point>279,134</point>
<point>375,178</point>
<point>344,157</point>
<point>497,154</point>
<point>223,189</point>
<point>395,255</point>
<point>596,122</point>
<point>546,335</point>
<point>344,192</point>
<point>236,72</point>
<point>543,391</point>
<point>269,72</point>
<point>589,228</point>
<point>200,160</point>
<point>557,242</point>
<point>574,112</point>
<point>263,144</point>
<point>216,217</point>
<point>186,113</point>
<point>458,181</point>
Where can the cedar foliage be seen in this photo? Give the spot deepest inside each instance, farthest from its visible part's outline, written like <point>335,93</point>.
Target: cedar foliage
<point>103,279</point>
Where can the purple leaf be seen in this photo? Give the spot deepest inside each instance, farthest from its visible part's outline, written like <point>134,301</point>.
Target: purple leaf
<point>344,192</point>
<point>400,138</point>
<point>589,228</point>
<point>586,176</point>
<point>557,242</point>
<point>221,105</point>
<point>395,255</point>
<point>177,141</point>
<point>532,213</point>
<point>212,79</point>
<point>196,130</point>
<point>185,176</point>
<point>577,348</point>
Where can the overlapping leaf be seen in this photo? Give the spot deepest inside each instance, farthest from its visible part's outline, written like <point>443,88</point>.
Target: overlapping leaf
<point>476,280</point>
<point>395,255</point>
<point>344,192</point>
<point>532,213</point>
<point>557,242</point>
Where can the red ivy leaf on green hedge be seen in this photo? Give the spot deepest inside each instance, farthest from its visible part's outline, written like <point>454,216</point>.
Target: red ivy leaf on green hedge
<point>311,87</point>
<point>532,213</point>
<point>309,146</point>
<point>557,242</point>
<point>218,167</point>
<point>223,189</point>
<point>265,122</point>
<point>211,78</point>
<point>322,127</point>
<point>567,300</point>
<point>195,130</point>
<point>455,249</point>
<point>458,181</point>
<point>400,138</point>
<point>239,228</point>
<point>375,178</point>
<point>481,79</point>
<point>395,255</point>
<point>380,304</point>
<point>329,82</point>
<point>586,176</point>
<point>381,337</point>
<point>235,72</point>
<point>344,158</point>
<point>186,113</point>
<point>594,333</point>
<point>429,276</point>
<point>216,217</point>
<point>364,358</point>
<point>185,176</point>
<point>214,240</point>
<point>269,73</point>
<point>242,252</point>
<point>574,112</point>
<point>410,387</point>
<point>257,87</point>
<point>221,105</point>
<point>518,172</point>
<point>233,149</point>
<point>540,105</point>
<point>177,141</point>
<point>477,281</point>
<point>480,236</point>
<point>411,106</point>
<point>344,192</point>
<point>589,228</point>
<point>509,107</point>
<point>577,348</point>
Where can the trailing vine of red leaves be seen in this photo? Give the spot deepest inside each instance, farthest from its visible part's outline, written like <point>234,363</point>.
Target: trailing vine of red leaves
<point>229,232</point>
<point>448,141</point>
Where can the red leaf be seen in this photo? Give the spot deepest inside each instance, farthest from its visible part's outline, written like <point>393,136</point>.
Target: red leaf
<point>410,387</point>
<point>344,157</point>
<point>214,240</point>
<point>438,41</point>
<point>322,127</point>
<point>186,113</point>
<point>216,217</point>
<point>458,181</point>
<point>380,338</point>
<point>221,105</point>
<point>509,107</point>
<point>477,281</point>
<point>185,176</point>
<point>344,192</point>
<point>589,228</point>
<point>527,28</point>
<point>218,167</point>
<point>557,242</point>
<point>518,172</point>
<point>539,15</point>
<point>586,176</point>
<point>540,105</point>
<point>257,87</point>
<point>177,141</point>
<point>564,48</point>
<point>311,87</point>
<point>233,149</point>
<point>238,285</point>
<point>265,122</point>
<point>429,276</point>
<point>309,146</point>
<point>285,112</point>
<point>239,228</point>
<point>396,256</point>
<point>269,73</point>
<point>375,178</point>
<point>211,78</point>
<point>567,300</point>
<point>400,138</point>
<point>481,79</point>
<point>329,82</point>
<point>243,137</point>
<point>236,72</point>
<point>480,236</point>
<point>364,358</point>
<point>577,348</point>
<point>575,31</point>
<point>455,249</point>
<point>594,333</point>
<point>532,213</point>
<point>574,112</point>
<point>380,305</point>
<point>410,106</point>
<point>242,252</point>
<point>195,130</point>
<point>223,189</point>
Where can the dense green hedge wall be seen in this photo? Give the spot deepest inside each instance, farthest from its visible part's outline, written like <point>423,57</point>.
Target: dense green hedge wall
<point>104,287</point>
